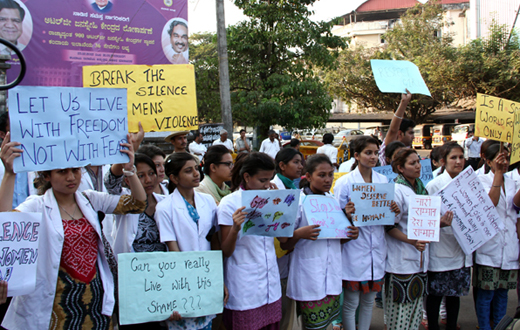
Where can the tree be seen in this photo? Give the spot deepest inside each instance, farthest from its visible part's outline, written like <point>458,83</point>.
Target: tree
<point>203,56</point>
<point>273,57</point>
<point>415,38</point>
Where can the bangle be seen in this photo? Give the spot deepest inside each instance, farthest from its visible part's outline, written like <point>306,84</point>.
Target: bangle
<point>131,172</point>
<point>496,186</point>
<point>396,116</point>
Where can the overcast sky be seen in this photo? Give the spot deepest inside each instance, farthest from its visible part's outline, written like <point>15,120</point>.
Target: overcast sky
<point>202,13</point>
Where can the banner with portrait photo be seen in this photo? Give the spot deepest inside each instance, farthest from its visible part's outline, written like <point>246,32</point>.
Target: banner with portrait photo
<point>58,38</point>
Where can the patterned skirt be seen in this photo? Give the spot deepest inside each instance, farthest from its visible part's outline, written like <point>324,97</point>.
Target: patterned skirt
<point>253,319</point>
<point>364,286</point>
<point>489,278</point>
<point>453,283</point>
<point>78,305</point>
<point>318,315</point>
<point>406,288</point>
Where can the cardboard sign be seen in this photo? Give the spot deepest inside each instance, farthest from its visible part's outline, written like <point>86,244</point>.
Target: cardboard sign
<point>161,97</point>
<point>398,76</point>
<point>372,202</point>
<point>67,126</point>
<point>270,212</point>
<point>426,171</point>
<point>153,285</point>
<point>424,218</point>
<point>19,246</point>
<point>210,133</point>
<point>326,212</point>
<point>475,219</point>
<point>494,118</point>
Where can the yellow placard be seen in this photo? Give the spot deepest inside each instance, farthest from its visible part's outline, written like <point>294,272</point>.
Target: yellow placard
<point>515,146</point>
<point>161,97</point>
<point>337,175</point>
<point>494,118</point>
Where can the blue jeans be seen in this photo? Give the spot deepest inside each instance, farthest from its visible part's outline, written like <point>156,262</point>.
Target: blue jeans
<point>487,299</point>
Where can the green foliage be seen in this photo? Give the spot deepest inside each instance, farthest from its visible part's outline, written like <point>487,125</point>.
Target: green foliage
<point>272,58</point>
<point>488,66</point>
<point>204,57</point>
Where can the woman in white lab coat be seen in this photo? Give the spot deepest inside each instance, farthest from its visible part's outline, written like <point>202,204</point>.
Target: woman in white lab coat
<point>186,221</point>
<point>363,259</point>
<point>449,272</point>
<point>55,302</point>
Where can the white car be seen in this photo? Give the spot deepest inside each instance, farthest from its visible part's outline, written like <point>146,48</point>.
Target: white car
<point>348,134</point>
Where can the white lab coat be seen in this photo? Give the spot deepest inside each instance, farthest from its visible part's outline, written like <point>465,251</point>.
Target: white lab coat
<point>175,223</point>
<point>502,250</point>
<point>283,262</point>
<point>251,272</point>
<point>403,258</point>
<point>363,259</point>
<point>33,311</point>
<point>446,254</point>
<point>315,266</point>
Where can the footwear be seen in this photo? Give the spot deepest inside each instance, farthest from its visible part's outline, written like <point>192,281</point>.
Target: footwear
<point>379,303</point>
<point>338,326</point>
<point>443,322</point>
<point>424,323</point>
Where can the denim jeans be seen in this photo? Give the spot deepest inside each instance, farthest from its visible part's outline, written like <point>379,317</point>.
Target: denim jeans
<point>487,299</point>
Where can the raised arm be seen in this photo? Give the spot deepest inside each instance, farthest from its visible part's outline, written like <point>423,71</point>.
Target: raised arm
<point>133,181</point>
<point>498,179</point>
<point>8,153</point>
<point>391,135</point>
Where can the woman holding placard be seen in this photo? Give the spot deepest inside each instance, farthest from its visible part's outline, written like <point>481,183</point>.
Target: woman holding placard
<point>315,265</point>
<point>496,262</point>
<point>449,272</point>
<point>363,259</point>
<point>186,221</point>
<point>250,268</point>
<point>72,289</point>
<point>407,259</point>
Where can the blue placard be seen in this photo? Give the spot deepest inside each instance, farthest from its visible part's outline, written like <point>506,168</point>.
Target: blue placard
<point>270,212</point>
<point>153,285</point>
<point>426,171</point>
<point>67,127</point>
<point>372,202</point>
<point>326,212</point>
<point>397,76</point>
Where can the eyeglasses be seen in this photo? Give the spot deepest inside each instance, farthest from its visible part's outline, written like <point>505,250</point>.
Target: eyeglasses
<point>228,164</point>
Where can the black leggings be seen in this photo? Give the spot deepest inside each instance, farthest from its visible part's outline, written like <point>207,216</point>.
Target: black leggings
<point>433,304</point>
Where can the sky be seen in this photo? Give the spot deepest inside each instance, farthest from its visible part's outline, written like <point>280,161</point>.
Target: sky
<point>202,15</point>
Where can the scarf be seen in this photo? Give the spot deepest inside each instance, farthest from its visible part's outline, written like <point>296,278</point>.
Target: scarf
<point>217,192</point>
<point>288,183</point>
<point>419,186</point>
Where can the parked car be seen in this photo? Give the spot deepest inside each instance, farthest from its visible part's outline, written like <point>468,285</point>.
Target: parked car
<point>348,134</point>
<point>460,133</point>
<point>422,136</point>
<point>442,134</point>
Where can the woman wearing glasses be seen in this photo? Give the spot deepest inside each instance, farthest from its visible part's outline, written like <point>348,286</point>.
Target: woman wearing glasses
<point>218,163</point>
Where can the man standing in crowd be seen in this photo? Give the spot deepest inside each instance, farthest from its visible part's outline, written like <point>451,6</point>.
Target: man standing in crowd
<point>270,145</point>
<point>241,144</point>
<point>328,149</point>
<point>11,24</point>
<point>473,144</point>
<point>196,147</point>
<point>224,140</point>
<point>178,140</point>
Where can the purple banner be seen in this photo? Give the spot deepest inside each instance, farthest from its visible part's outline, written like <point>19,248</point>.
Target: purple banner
<point>57,38</point>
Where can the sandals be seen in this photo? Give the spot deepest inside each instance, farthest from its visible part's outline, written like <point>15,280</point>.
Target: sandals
<point>424,323</point>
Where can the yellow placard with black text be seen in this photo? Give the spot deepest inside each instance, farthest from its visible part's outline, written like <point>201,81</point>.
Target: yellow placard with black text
<point>161,97</point>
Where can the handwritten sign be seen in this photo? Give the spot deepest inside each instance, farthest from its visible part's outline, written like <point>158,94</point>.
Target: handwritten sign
<point>67,126</point>
<point>426,171</point>
<point>326,212</point>
<point>372,202</point>
<point>424,218</point>
<point>494,118</point>
<point>270,212</point>
<point>19,246</point>
<point>161,97</point>
<point>152,285</point>
<point>210,133</point>
<point>397,76</point>
<point>475,219</point>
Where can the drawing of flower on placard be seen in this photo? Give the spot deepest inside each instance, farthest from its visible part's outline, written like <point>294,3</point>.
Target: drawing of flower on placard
<point>285,224</point>
<point>276,201</point>
<point>259,202</point>
<point>253,215</point>
<point>277,215</point>
<point>267,216</point>
<point>289,199</point>
<point>247,225</point>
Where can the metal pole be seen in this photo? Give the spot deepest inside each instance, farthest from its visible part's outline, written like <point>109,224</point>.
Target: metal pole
<point>513,27</point>
<point>225,99</point>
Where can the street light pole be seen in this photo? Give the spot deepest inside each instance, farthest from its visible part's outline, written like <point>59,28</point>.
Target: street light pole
<point>225,98</point>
